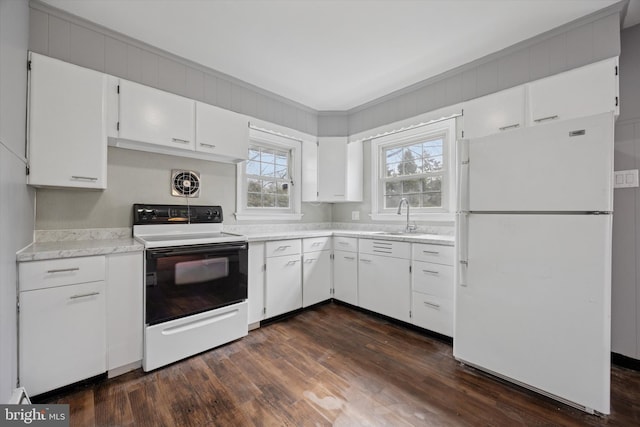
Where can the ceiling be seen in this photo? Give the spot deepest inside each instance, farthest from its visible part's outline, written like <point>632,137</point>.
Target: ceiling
<point>333,55</point>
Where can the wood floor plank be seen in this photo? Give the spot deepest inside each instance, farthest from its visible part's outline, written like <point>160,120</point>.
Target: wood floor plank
<point>332,365</point>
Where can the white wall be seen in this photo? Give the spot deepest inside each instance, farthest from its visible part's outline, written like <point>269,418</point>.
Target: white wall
<point>16,200</point>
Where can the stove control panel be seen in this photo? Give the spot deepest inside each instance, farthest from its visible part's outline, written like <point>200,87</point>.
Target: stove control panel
<point>175,214</point>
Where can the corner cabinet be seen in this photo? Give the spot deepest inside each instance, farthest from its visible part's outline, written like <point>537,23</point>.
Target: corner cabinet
<point>155,117</point>
<point>67,138</point>
<point>339,166</point>
<point>221,132</point>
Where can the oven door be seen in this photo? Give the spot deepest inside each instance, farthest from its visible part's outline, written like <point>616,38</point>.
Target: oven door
<point>186,280</point>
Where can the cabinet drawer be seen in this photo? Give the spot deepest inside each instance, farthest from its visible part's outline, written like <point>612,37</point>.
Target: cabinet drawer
<point>349,244</point>
<point>283,247</point>
<point>385,248</point>
<point>433,313</point>
<point>433,279</point>
<point>433,253</point>
<point>314,244</point>
<point>58,272</point>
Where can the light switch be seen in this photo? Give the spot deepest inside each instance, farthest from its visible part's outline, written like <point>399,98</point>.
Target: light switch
<point>626,179</point>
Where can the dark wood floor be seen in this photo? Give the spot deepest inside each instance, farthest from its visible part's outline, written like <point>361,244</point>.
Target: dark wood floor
<point>332,366</point>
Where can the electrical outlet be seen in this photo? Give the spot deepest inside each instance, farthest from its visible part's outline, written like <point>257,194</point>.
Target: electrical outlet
<point>625,179</point>
<point>355,215</point>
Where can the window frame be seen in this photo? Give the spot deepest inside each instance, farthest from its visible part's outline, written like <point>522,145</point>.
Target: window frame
<point>293,212</point>
<point>445,129</point>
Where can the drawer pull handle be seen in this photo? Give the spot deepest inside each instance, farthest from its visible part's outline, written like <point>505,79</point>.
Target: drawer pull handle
<point>63,270</point>
<point>309,260</point>
<point>292,262</point>
<point>382,251</point>
<point>90,294</point>
<point>365,260</point>
<point>431,272</point>
<point>517,125</point>
<point>317,243</point>
<point>84,178</point>
<point>544,119</point>
<point>338,195</point>
<point>350,257</point>
<point>431,252</point>
<point>180,141</point>
<point>207,145</point>
<point>430,304</point>
<point>282,248</point>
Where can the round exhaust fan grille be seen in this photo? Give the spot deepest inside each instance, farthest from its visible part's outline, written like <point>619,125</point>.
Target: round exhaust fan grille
<point>185,183</point>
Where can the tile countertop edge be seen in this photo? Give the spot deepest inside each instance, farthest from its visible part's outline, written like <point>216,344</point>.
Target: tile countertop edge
<point>79,248</point>
<point>434,239</point>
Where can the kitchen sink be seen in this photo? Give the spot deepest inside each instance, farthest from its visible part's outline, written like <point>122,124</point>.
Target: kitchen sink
<point>400,233</point>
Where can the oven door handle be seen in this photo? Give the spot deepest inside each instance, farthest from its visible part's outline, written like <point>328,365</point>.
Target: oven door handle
<point>161,253</point>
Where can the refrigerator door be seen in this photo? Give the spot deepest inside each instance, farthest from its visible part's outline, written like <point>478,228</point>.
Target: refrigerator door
<point>533,302</point>
<point>564,166</point>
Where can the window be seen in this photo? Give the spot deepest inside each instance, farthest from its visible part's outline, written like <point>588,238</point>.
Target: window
<point>267,181</point>
<point>268,177</point>
<point>417,165</point>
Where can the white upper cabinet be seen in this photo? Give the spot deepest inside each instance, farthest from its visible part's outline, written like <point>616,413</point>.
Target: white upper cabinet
<point>221,132</point>
<point>309,171</point>
<point>339,171</point>
<point>495,113</point>
<point>156,117</point>
<point>581,92</point>
<point>67,125</point>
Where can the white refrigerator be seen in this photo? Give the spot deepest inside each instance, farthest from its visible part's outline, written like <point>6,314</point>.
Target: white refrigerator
<point>533,294</point>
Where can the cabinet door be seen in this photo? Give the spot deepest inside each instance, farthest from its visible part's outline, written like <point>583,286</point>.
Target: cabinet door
<point>345,277</point>
<point>67,125</point>
<point>582,92</point>
<point>283,290</point>
<point>495,113</point>
<point>256,282</point>
<point>355,171</point>
<point>156,117</point>
<point>384,285</point>
<point>221,132</point>
<point>332,164</point>
<point>316,277</point>
<point>124,309</point>
<point>309,171</point>
<point>62,336</point>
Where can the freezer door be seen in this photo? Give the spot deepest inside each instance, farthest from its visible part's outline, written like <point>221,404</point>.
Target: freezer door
<point>533,302</point>
<point>564,166</point>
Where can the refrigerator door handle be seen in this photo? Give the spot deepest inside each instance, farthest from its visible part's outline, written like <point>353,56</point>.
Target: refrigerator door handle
<point>463,175</point>
<point>463,250</point>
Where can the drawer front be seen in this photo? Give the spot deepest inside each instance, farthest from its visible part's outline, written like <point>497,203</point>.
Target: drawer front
<point>385,248</point>
<point>59,272</point>
<point>433,253</point>
<point>433,313</point>
<point>283,247</point>
<point>313,244</point>
<point>433,279</point>
<point>348,244</point>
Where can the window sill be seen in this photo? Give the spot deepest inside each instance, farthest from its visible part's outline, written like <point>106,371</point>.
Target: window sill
<point>261,216</point>
<point>422,217</point>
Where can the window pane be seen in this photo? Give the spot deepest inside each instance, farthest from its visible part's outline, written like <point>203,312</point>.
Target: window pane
<point>254,200</point>
<point>269,200</point>
<point>254,185</point>
<point>394,169</point>
<point>281,171</point>
<point>432,200</point>
<point>394,187</point>
<point>393,155</point>
<point>253,167</point>
<point>268,169</point>
<point>433,164</point>
<point>432,184</point>
<point>415,200</point>
<point>267,156</point>
<point>391,201</point>
<point>269,187</point>
<point>412,186</point>
<point>282,201</point>
<point>281,158</point>
<point>430,151</point>
<point>254,154</point>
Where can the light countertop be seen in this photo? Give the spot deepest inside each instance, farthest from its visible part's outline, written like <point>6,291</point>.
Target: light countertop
<point>77,248</point>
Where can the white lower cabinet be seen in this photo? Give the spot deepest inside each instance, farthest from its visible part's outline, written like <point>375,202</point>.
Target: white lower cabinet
<point>432,283</point>
<point>283,277</point>
<point>345,277</point>
<point>62,335</point>
<point>78,318</point>
<point>125,318</point>
<point>256,273</point>
<point>316,270</point>
<point>384,285</point>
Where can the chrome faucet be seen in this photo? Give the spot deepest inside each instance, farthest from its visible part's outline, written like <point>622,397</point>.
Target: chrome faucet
<point>409,228</point>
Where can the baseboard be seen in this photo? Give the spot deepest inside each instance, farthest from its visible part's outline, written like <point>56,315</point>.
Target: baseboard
<point>625,361</point>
